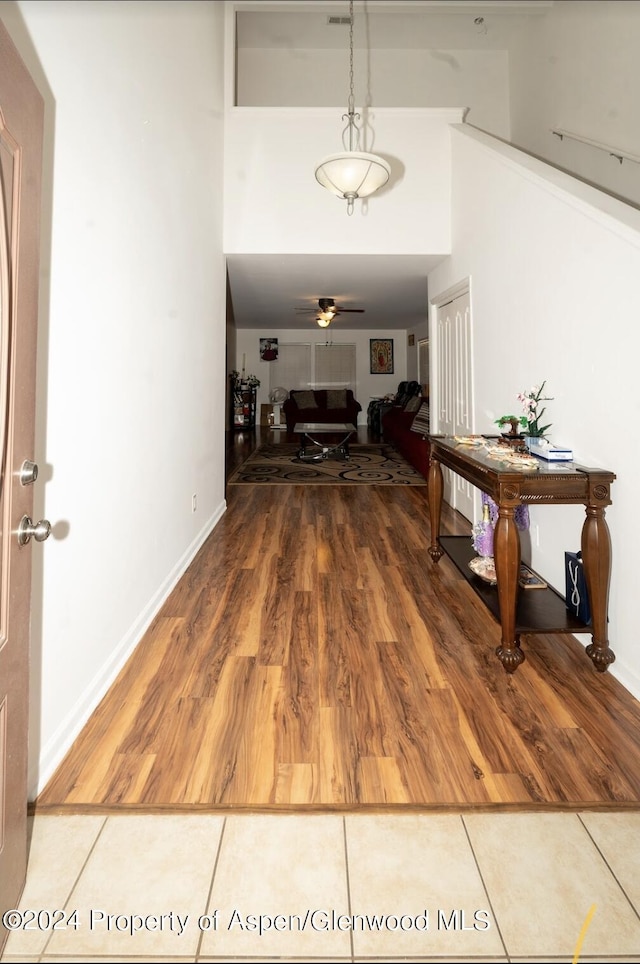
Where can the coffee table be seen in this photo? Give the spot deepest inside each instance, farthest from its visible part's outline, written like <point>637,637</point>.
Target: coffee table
<point>318,435</point>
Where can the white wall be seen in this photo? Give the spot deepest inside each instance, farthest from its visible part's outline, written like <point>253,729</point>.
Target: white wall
<point>578,68</point>
<point>475,79</point>
<point>131,368</point>
<point>273,204</point>
<point>554,265</point>
<point>367,385</point>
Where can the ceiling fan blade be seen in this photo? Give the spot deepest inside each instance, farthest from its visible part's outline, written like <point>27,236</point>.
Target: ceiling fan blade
<point>328,304</point>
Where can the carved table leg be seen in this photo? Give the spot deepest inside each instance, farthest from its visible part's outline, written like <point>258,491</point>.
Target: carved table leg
<point>506,553</point>
<point>434,492</point>
<point>596,558</point>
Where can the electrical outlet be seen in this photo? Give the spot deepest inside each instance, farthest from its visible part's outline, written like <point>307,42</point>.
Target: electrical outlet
<point>194,502</point>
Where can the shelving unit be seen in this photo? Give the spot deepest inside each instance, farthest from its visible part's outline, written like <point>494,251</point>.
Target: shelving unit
<point>243,406</point>
<point>537,610</point>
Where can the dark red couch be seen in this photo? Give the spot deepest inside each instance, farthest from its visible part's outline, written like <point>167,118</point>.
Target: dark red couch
<point>399,431</point>
<point>327,406</point>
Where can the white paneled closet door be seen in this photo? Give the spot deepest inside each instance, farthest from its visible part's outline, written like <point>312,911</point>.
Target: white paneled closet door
<point>454,360</point>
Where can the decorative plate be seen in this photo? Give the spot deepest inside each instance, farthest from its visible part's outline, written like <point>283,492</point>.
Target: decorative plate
<point>469,439</point>
<point>524,461</point>
<point>483,566</point>
<point>520,459</point>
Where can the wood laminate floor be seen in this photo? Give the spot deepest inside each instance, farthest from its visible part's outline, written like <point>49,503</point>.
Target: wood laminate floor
<point>313,657</point>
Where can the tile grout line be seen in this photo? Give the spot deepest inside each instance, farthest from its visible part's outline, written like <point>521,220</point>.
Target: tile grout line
<point>213,877</point>
<point>346,873</point>
<point>608,866</point>
<point>75,882</point>
<point>486,889</point>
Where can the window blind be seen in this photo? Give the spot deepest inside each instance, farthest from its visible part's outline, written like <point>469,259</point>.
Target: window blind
<point>335,366</point>
<point>292,368</point>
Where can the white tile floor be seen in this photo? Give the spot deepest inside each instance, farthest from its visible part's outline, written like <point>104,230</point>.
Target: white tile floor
<point>475,887</point>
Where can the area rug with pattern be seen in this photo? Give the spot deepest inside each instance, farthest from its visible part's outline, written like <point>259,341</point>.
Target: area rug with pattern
<point>367,464</point>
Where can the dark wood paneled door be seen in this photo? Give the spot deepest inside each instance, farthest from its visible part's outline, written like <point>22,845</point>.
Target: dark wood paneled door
<point>21,125</point>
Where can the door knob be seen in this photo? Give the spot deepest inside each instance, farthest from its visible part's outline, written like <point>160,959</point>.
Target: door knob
<point>39,530</point>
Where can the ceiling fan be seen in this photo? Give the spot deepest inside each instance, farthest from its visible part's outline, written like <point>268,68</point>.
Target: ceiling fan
<point>327,310</point>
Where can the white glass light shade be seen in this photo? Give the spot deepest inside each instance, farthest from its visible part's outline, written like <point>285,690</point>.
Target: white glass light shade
<point>352,174</point>
<point>326,316</point>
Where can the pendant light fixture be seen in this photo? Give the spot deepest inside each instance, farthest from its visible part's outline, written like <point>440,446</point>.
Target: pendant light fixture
<point>353,173</point>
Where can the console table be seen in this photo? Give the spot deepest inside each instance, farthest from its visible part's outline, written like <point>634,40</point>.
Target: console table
<point>521,612</point>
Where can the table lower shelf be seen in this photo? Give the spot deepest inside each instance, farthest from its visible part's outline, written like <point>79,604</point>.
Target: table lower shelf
<point>538,610</point>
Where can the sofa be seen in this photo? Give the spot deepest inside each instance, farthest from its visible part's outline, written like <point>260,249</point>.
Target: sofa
<point>406,427</point>
<point>321,405</point>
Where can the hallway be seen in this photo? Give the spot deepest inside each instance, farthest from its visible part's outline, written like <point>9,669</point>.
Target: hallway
<point>509,826</point>
<point>313,657</point>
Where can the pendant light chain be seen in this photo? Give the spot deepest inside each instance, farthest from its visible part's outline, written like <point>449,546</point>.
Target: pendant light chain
<point>352,102</point>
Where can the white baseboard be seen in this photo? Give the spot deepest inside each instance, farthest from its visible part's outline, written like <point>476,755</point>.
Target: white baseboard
<point>54,750</point>
<point>626,676</point>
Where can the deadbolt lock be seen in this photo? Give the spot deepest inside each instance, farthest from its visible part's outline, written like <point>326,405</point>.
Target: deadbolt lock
<point>28,472</point>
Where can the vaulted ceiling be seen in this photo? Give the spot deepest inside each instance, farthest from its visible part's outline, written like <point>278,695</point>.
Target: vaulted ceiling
<point>267,289</point>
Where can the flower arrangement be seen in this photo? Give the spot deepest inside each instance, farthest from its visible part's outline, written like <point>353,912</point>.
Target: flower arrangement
<point>251,380</point>
<point>532,413</point>
<point>530,421</point>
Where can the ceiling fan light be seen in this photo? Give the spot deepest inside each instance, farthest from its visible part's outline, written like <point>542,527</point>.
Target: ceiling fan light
<point>352,174</point>
<point>325,317</point>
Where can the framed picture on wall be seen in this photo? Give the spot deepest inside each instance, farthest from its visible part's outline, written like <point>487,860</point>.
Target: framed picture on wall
<point>268,349</point>
<point>381,356</point>
<point>411,340</point>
